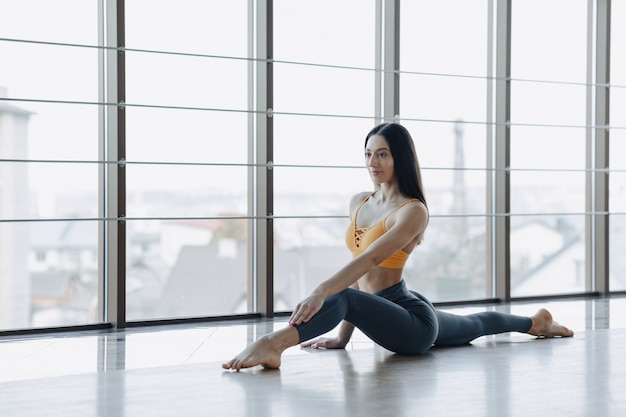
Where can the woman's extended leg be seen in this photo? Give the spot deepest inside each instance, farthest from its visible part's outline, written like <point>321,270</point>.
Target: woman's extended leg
<point>460,330</point>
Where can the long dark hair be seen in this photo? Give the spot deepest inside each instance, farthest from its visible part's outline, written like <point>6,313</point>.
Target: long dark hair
<point>406,166</point>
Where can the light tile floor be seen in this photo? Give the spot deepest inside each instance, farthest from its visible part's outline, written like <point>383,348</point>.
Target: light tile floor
<point>175,371</point>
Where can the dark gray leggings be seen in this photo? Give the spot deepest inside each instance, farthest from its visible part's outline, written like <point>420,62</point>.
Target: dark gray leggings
<point>405,322</point>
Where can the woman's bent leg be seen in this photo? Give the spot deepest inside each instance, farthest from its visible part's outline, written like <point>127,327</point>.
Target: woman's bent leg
<point>388,324</point>
<point>407,326</point>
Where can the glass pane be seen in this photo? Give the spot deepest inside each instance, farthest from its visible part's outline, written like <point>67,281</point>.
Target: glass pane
<point>49,270</point>
<point>449,146</point>
<point>617,164</point>
<point>547,46</point>
<point>190,26</point>
<point>549,104</point>
<point>617,192</point>
<point>306,252</point>
<point>185,191</point>
<point>50,21</point>
<point>543,148</point>
<point>61,131</point>
<point>617,247</point>
<point>325,32</point>
<point>450,264</point>
<point>443,98</point>
<point>548,251</point>
<point>318,141</point>
<point>309,250</point>
<point>49,274</point>
<point>15,275</point>
<point>444,86</point>
<point>618,104</point>
<point>187,268</point>
<point>617,179</point>
<point>186,163</point>
<point>64,190</point>
<point>422,22</point>
<point>547,255</point>
<point>325,91</point>
<point>167,135</point>
<point>73,78</point>
<point>298,191</point>
<point>458,193</point>
<point>618,36</point>
<point>186,81</point>
<point>547,192</point>
<point>617,207</point>
<point>205,49</point>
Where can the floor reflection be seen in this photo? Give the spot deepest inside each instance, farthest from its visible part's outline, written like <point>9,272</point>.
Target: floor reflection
<point>176,371</point>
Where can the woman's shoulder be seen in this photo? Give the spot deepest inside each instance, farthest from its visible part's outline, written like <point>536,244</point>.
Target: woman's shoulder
<point>414,206</point>
<point>357,199</point>
<point>412,211</point>
<point>360,197</point>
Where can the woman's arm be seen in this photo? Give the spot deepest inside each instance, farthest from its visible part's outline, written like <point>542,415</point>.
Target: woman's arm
<point>410,221</point>
<point>340,341</point>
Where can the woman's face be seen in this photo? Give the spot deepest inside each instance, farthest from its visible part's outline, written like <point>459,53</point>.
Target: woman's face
<point>378,160</point>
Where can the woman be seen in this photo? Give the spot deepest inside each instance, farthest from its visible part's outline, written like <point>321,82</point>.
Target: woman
<point>369,292</point>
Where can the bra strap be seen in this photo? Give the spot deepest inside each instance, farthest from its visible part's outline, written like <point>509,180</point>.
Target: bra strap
<point>400,206</point>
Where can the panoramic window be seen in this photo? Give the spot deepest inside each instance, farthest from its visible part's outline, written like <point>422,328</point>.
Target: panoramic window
<point>193,145</point>
<point>187,155</point>
<point>443,102</point>
<point>548,71</point>
<point>323,108</point>
<point>49,164</point>
<point>617,164</point>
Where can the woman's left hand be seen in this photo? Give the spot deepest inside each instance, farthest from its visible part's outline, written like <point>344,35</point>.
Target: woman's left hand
<point>306,309</point>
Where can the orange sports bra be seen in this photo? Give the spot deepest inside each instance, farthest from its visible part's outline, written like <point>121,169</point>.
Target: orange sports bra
<point>359,239</point>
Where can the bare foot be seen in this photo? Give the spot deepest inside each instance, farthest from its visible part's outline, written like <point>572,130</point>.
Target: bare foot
<point>544,326</point>
<point>266,351</point>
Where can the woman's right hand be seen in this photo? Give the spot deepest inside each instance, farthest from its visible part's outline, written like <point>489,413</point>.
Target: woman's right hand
<point>325,343</point>
<point>307,308</point>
